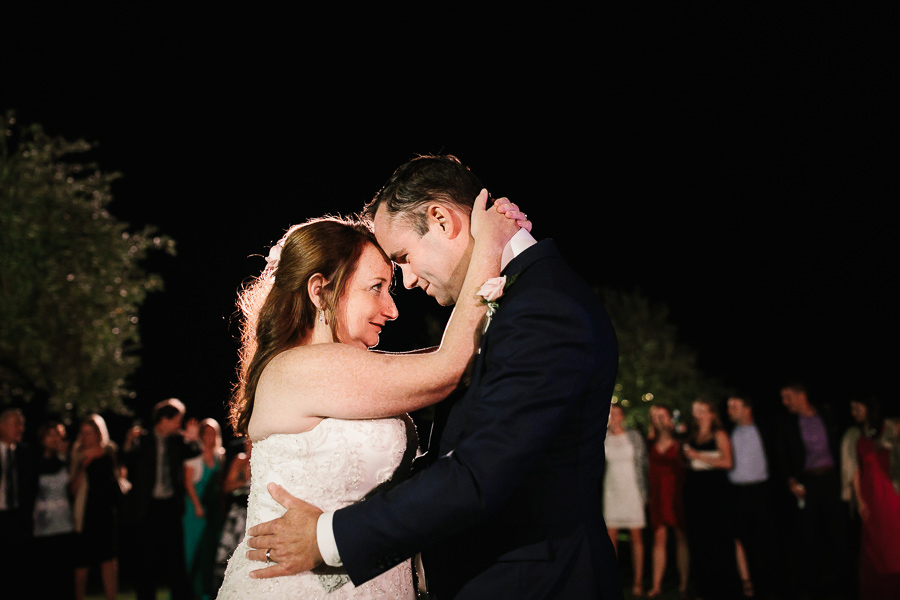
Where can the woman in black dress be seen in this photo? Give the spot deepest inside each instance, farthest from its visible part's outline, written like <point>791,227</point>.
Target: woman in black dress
<point>95,488</point>
<point>707,505</point>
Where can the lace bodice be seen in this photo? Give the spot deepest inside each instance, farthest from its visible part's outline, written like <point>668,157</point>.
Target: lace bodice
<point>331,466</point>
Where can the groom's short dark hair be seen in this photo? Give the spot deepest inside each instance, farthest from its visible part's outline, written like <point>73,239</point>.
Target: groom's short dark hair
<point>421,181</point>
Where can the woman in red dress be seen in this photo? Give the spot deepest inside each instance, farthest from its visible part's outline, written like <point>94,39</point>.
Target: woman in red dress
<point>878,503</point>
<point>666,479</point>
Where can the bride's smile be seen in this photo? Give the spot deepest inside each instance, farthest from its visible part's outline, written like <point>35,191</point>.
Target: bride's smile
<point>366,304</point>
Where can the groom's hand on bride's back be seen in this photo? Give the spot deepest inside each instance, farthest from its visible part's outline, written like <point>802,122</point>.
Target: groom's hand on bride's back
<point>290,540</point>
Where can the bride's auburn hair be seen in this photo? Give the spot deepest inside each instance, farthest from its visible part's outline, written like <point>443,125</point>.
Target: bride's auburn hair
<point>275,309</point>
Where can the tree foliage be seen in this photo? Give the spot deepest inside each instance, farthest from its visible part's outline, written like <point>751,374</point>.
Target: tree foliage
<point>653,365</point>
<point>71,280</point>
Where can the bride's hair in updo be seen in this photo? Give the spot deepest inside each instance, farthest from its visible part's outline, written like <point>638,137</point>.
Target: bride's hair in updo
<point>275,308</point>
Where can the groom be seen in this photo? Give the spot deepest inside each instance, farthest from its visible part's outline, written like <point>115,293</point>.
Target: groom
<point>510,506</point>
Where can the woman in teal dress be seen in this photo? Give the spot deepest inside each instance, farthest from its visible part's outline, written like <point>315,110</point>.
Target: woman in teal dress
<point>203,509</point>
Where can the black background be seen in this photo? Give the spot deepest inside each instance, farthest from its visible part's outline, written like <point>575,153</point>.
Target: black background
<point>738,165</point>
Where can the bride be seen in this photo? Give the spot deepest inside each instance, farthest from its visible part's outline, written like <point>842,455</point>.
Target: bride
<point>319,408</point>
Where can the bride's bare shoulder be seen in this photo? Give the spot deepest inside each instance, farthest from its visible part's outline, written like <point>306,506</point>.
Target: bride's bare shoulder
<point>294,361</point>
<point>283,400</point>
<point>312,355</point>
<point>318,363</point>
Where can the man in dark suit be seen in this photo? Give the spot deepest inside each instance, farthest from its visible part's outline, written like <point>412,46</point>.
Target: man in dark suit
<point>810,446</point>
<point>509,506</point>
<point>155,504</point>
<point>18,486</point>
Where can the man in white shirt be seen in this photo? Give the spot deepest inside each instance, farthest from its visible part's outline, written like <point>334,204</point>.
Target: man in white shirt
<point>753,508</point>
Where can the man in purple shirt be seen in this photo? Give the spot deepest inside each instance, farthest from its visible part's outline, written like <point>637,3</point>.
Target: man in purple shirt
<point>810,447</point>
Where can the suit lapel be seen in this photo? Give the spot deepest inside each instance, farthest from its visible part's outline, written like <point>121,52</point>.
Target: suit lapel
<point>449,410</point>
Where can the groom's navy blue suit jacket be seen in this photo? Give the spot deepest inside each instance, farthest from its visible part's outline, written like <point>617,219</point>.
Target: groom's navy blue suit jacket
<point>511,507</point>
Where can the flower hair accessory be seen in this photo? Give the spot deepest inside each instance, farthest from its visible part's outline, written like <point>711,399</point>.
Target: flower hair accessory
<point>274,256</point>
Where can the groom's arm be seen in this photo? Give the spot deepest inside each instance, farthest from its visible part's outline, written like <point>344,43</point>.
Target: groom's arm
<point>539,359</point>
<point>531,378</point>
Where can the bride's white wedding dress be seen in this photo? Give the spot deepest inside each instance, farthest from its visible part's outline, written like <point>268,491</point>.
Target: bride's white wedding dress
<point>333,465</point>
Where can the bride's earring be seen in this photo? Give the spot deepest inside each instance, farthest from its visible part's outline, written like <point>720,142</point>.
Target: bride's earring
<point>321,316</point>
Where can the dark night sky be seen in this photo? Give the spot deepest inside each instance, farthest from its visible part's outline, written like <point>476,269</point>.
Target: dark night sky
<point>736,167</point>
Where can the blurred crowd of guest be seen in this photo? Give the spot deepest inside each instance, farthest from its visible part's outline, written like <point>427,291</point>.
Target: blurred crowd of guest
<point>169,505</point>
<point>784,507</point>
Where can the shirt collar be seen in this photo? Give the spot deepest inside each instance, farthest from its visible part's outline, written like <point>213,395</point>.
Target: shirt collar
<point>515,246</point>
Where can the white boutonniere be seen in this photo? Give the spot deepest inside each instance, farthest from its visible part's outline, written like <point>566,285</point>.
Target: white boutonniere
<point>491,292</point>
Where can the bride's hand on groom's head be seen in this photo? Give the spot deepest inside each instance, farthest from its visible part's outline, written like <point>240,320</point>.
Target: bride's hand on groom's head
<point>287,545</point>
<point>491,226</point>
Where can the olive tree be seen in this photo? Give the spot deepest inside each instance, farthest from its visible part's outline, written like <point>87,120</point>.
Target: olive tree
<point>71,277</point>
<point>653,365</point>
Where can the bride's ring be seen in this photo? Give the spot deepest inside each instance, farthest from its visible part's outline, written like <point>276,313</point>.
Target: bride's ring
<point>268,558</point>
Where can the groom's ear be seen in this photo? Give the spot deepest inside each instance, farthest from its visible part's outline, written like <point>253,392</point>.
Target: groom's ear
<point>447,221</point>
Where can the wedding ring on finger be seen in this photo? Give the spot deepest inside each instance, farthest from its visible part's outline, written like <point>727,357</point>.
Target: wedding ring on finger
<point>268,557</point>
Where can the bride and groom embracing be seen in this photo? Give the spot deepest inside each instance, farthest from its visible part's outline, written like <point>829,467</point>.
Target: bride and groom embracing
<point>508,505</point>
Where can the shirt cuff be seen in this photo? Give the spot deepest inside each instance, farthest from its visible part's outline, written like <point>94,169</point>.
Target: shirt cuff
<point>325,539</point>
<point>515,246</point>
